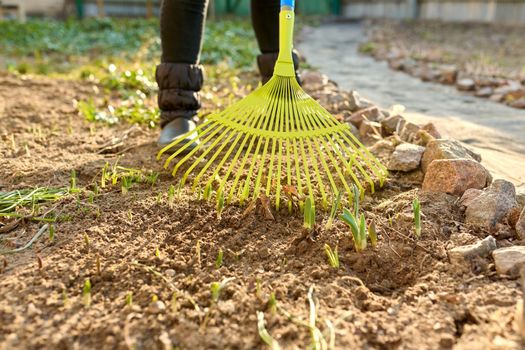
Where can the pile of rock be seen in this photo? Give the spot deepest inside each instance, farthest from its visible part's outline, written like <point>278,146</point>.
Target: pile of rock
<point>509,92</point>
<point>447,166</point>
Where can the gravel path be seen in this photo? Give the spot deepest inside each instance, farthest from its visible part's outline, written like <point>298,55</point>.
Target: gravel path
<point>494,130</point>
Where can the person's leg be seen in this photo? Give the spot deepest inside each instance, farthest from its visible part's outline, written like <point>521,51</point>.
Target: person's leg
<point>180,76</point>
<point>265,20</point>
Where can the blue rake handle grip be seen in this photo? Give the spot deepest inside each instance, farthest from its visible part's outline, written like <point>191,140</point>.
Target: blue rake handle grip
<point>289,3</point>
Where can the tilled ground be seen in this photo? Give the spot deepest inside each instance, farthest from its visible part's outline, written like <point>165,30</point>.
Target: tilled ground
<point>403,294</point>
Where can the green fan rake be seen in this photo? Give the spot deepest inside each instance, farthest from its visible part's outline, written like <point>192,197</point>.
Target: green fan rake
<point>275,141</point>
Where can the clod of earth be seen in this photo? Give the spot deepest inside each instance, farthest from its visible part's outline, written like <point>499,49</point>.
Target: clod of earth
<point>509,260</point>
<point>482,249</point>
<point>492,205</point>
<point>455,176</point>
<point>406,157</point>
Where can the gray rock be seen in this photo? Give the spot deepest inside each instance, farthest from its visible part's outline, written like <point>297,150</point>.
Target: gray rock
<point>409,132</point>
<point>354,130</point>
<point>406,157</point>
<point>520,196</point>
<point>356,102</point>
<point>509,260</point>
<point>446,149</point>
<point>520,225</point>
<point>486,91</point>
<point>462,254</point>
<point>492,205</point>
<point>392,124</point>
<point>469,196</point>
<point>369,131</point>
<point>465,84</point>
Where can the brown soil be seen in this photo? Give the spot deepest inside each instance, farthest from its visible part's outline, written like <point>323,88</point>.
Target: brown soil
<point>401,295</point>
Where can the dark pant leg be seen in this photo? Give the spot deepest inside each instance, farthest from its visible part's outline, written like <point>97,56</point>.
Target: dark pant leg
<point>265,20</point>
<point>182,29</point>
<point>179,76</point>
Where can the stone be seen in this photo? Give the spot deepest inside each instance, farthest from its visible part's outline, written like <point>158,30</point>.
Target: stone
<point>428,74</point>
<point>157,307</point>
<point>354,130</point>
<point>455,176</point>
<point>356,102</point>
<point>369,131</point>
<point>509,260</point>
<point>520,225</point>
<point>492,206</point>
<point>520,103</point>
<point>462,254</point>
<point>486,91</point>
<point>469,196</point>
<point>406,157</point>
<point>313,78</point>
<point>496,97</point>
<point>446,149</point>
<point>372,114</point>
<point>432,130</point>
<point>520,196</point>
<point>448,74</point>
<point>170,273</point>
<point>382,149</point>
<point>465,84</point>
<point>409,132</point>
<point>392,124</point>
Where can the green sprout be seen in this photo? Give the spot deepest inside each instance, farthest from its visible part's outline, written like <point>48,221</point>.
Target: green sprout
<point>218,262</point>
<point>220,204</point>
<point>263,333</point>
<point>207,192</point>
<point>358,229</point>
<point>217,287</point>
<point>51,232</point>
<point>104,175</point>
<point>309,213</point>
<point>73,182</point>
<point>355,196</point>
<point>333,212</point>
<point>372,233</point>
<point>171,195</point>
<point>86,240</point>
<point>272,303</point>
<point>157,252</point>
<point>129,299</point>
<point>416,207</point>
<point>332,255</point>
<point>86,293</point>
<point>127,182</point>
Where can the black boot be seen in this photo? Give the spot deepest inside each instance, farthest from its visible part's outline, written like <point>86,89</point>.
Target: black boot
<point>266,63</point>
<point>178,100</point>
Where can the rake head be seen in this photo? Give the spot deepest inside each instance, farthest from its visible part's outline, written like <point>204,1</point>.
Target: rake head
<point>277,141</point>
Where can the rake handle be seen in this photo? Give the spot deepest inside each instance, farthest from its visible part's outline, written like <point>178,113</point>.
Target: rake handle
<point>284,65</point>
